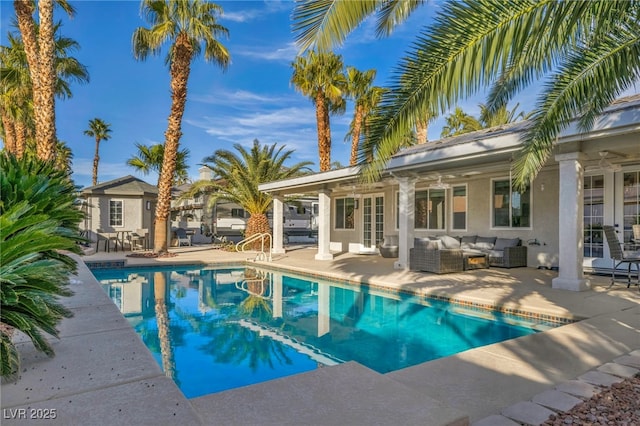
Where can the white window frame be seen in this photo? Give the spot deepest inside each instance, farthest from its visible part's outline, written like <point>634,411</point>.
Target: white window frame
<point>415,206</point>
<point>335,215</point>
<point>111,223</point>
<point>492,206</point>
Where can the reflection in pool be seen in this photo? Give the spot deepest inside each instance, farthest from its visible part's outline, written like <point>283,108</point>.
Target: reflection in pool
<point>215,329</point>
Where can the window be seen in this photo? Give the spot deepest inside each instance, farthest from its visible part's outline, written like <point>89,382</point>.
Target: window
<point>430,209</point>
<point>631,200</point>
<point>593,215</point>
<point>511,208</point>
<point>459,207</point>
<point>237,213</point>
<point>345,212</point>
<point>115,212</point>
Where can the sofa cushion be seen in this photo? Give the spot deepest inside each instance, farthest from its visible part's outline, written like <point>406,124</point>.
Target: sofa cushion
<point>484,243</point>
<point>469,239</point>
<point>421,242</point>
<point>450,242</point>
<point>502,243</point>
<point>495,253</point>
<point>435,245</point>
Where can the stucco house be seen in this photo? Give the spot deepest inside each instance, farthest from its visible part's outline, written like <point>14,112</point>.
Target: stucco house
<point>460,187</point>
<point>119,206</point>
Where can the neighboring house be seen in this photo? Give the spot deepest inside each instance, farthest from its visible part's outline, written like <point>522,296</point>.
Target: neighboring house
<point>124,204</point>
<point>461,186</point>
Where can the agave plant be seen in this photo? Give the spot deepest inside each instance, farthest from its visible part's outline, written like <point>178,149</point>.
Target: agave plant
<point>38,221</point>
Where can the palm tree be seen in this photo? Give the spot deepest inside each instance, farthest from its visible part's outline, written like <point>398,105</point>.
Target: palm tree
<point>590,52</point>
<point>149,159</point>
<point>100,131</point>
<point>238,177</point>
<point>459,122</point>
<point>359,88</point>
<point>491,117</point>
<point>190,27</point>
<point>320,77</point>
<point>40,51</point>
<point>18,107</point>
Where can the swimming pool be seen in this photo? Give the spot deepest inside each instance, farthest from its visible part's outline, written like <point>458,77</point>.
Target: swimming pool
<point>212,329</point>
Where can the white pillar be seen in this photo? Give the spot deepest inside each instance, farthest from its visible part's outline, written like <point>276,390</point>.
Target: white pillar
<point>276,290</point>
<point>324,226</point>
<point>324,309</point>
<point>570,220</point>
<point>407,197</point>
<point>277,224</point>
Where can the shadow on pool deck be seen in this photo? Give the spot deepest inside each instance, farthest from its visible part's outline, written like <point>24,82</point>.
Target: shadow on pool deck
<point>103,374</point>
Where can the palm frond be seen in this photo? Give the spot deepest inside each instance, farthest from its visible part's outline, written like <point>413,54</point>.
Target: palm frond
<point>324,24</point>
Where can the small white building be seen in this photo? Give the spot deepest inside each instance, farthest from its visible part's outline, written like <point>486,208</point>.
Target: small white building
<point>120,206</point>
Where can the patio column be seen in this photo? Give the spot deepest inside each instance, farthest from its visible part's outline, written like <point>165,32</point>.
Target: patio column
<point>324,226</point>
<point>407,197</point>
<point>570,221</point>
<point>278,216</point>
<point>276,293</point>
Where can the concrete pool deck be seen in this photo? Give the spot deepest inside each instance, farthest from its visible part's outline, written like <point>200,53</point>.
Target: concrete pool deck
<point>103,374</point>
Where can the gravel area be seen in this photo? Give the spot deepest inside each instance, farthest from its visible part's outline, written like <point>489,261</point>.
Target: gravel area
<point>617,405</point>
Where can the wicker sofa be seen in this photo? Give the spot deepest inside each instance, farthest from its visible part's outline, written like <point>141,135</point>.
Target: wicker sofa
<point>445,254</point>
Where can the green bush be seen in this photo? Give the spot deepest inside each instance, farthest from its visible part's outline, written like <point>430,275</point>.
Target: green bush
<point>39,222</point>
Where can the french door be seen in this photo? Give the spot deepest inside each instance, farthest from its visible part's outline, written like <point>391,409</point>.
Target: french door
<point>372,220</point>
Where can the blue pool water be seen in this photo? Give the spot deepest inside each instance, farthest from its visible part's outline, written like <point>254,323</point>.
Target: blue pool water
<point>213,329</point>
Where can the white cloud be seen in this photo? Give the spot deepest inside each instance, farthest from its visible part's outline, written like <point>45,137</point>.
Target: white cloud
<point>286,53</point>
<point>236,98</point>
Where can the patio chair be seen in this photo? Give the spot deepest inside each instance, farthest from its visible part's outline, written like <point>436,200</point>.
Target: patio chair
<point>107,237</point>
<point>620,256</point>
<point>138,239</point>
<point>182,237</point>
<point>389,246</point>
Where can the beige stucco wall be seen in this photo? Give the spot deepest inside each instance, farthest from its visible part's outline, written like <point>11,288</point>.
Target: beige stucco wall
<point>135,214</point>
<point>544,219</point>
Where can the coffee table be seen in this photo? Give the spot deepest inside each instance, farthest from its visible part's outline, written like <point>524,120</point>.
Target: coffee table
<point>475,261</point>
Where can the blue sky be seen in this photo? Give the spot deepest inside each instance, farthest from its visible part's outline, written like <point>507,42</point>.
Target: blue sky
<point>253,99</point>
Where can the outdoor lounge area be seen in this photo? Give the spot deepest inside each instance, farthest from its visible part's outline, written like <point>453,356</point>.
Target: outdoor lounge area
<point>445,254</point>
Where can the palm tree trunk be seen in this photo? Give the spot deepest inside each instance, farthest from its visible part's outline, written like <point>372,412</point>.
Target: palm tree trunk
<point>321,113</point>
<point>46,113</point>
<point>180,68</point>
<point>162,319</point>
<point>355,137</point>
<point>9,132</point>
<point>96,160</point>
<point>258,223</point>
<point>21,138</point>
<point>24,15</point>
<point>422,127</point>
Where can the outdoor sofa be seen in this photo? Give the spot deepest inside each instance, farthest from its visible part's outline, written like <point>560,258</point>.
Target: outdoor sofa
<point>444,254</point>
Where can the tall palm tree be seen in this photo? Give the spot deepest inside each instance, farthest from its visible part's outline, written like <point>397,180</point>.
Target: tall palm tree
<point>320,77</point>
<point>588,50</point>
<point>40,51</point>
<point>149,159</point>
<point>237,177</point>
<point>190,27</point>
<point>100,131</point>
<point>360,89</point>
<point>17,99</point>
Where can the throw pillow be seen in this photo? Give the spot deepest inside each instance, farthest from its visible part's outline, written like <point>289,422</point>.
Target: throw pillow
<point>450,242</point>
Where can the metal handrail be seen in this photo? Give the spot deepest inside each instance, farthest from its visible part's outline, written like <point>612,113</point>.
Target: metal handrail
<point>262,255</point>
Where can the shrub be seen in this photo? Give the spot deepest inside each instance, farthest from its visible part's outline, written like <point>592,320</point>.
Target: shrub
<point>38,222</point>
